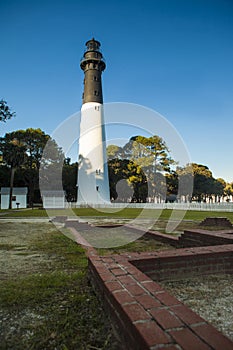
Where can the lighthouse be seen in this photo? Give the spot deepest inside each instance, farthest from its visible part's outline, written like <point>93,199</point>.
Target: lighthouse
<point>93,181</point>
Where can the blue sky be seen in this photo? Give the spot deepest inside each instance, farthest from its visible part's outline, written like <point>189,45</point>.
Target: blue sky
<point>173,56</point>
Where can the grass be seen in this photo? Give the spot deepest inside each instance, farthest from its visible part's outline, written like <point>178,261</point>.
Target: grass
<point>129,213</point>
<point>23,213</point>
<point>54,307</point>
<point>143,244</point>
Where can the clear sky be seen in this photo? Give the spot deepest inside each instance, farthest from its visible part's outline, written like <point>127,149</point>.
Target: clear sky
<point>174,56</point>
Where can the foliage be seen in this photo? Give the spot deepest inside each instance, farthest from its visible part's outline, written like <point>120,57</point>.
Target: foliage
<point>228,190</point>
<point>148,169</point>
<point>13,151</point>
<point>5,111</point>
<point>133,187</point>
<point>23,150</point>
<point>151,153</point>
<point>69,179</point>
<point>205,185</point>
<point>142,162</point>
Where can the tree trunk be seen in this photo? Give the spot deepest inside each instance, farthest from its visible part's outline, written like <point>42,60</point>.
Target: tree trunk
<point>11,186</point>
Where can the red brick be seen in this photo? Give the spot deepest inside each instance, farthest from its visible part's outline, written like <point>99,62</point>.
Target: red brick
<point>152,333</point>
<point>166,347</point>
<point>141,277</point>
<point>113,285</point>
<point>131,269</point>
<point>147,301</point>
<point>136,312</point>
<point>107,276</point>
<point>123,297</point>
<point>165,318</point>
<point>94,259</point>
<point>100,268</point>
<point>213,337</point>
<point>126,279</point>
<point>118,272</point>
<point>111,266</point>
<point>107,260</point>
<point>188,340</point>
<point>186,314</point>
<point>167,299</point>
<point>152,286</point>
<point>135,289</point>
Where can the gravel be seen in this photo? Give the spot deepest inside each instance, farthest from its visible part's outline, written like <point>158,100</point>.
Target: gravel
<point>209,296</point>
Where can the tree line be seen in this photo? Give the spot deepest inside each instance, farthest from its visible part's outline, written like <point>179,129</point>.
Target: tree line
<point>141,170</point>
<point>151,174</point>
<point>21,156</point>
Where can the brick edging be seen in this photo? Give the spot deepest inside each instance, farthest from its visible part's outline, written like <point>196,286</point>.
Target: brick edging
<point>144,313</point>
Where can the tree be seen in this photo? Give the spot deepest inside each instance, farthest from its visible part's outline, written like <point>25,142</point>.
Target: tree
<point>13,154</point>
<point>146,161</point>
<point>185,180</point>
<point>114,152</point>
<point>51,165</point>
<point>69,179</point>
<point>124,169</point>
<point>34,141</point>
<point>5,111</point>
<point>218,190</point>
<point>138,181</point>
<point>228,190</point>
<point>172,186</point>
<point>205,185</point>
<point>149,152</point>
<point>23,149</point>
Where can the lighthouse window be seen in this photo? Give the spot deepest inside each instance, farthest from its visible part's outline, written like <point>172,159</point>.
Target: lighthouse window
<point>96,93</point>
<point>95,78</point>
<point>97,188</point>
<point>94,66</point>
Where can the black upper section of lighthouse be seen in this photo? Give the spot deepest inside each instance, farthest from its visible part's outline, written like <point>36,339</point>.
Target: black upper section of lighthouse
<point>93,65</point>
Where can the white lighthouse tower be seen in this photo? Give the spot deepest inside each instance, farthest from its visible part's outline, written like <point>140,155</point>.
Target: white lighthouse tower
<point>93,181</point>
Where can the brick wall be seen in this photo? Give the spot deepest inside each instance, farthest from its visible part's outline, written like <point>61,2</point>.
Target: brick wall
<point>197,238</point>
<point>187,262</point>
<point>194,238</point>
<point>145,315</point>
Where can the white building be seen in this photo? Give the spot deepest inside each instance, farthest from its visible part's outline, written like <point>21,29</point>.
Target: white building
<point>19,197</point>
<point>53,199</point>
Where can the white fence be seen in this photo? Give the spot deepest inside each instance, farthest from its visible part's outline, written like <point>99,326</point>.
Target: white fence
<point>178,206</point>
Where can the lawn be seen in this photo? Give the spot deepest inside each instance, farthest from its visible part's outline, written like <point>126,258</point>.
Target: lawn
<point>46,301</point>
<point>128,213</point>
